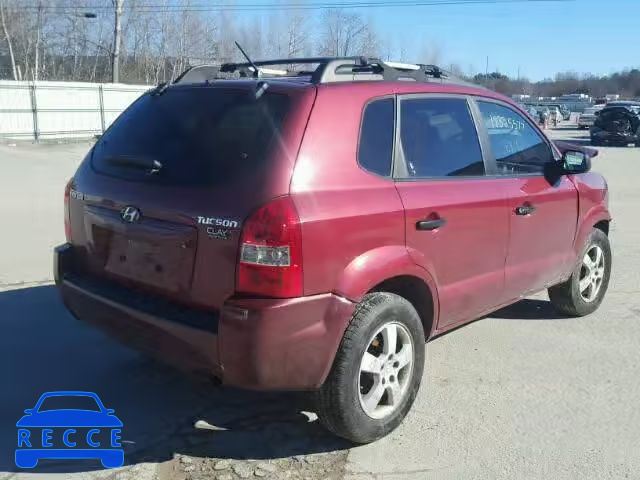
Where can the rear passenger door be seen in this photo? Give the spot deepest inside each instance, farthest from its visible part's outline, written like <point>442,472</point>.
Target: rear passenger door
<point>543,208</point>
<point>456,217</point>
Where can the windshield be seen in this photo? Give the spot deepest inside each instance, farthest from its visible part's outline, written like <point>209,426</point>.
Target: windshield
<point>197,136</point>
<point>69,402</point>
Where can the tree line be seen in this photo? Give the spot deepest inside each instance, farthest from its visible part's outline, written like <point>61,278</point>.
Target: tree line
<point>625,83</point>
<point>73,41</point>
<point>157,44</point>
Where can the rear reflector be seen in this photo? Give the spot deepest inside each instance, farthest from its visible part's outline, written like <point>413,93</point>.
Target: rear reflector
<point>270,261</point>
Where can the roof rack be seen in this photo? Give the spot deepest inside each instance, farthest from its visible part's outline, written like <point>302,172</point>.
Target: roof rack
<point>325,70</point>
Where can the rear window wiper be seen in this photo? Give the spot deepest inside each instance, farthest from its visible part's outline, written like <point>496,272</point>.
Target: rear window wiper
<point>150,165</point>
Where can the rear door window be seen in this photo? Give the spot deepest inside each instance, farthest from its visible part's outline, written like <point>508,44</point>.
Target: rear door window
<point>375,149</point>
<point>439,138</point>
<point>198,135</point>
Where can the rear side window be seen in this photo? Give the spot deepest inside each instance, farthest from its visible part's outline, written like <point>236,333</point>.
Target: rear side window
<point>376,137</point>
<point>516,145</point>
<point>198,135</point>
<point>439,138</point>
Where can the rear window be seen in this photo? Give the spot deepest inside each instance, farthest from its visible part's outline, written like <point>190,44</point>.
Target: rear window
<point>198,135</point>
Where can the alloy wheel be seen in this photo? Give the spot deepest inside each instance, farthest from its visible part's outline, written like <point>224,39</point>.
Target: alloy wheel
<point>385,370</point>
<point>591,273</point>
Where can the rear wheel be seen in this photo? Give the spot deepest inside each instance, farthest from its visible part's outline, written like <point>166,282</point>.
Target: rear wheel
<point>377,371</point>
<point>582,294</point>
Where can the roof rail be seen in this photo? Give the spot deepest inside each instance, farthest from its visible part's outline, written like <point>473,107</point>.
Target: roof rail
<point>325,70</point>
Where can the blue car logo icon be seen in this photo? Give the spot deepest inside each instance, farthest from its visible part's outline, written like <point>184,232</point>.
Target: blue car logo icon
<point>51,430</point>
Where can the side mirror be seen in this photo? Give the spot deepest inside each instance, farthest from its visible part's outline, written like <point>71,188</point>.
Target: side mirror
<point>29,411</point>
<point>574,162</point>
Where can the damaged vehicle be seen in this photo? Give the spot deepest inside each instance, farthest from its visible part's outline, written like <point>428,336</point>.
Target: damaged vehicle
<point>588,117</point>
<point>313,229</point>
<point>617,124</point>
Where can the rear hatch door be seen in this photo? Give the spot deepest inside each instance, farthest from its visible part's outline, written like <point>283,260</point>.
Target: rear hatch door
<point>159,202</point>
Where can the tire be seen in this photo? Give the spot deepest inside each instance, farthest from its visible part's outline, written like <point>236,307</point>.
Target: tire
<point>567,297</point>
<point>340,402</point>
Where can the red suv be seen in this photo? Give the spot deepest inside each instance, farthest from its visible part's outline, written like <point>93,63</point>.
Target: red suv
<point>310,231</point>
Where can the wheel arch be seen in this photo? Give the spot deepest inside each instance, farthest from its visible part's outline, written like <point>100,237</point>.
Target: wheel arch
<point>597,217</point>
<point>415,291</point>
<point>603,225</point>
<point>392,269</point>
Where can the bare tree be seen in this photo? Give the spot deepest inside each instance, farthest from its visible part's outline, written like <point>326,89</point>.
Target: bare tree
<point>370,45</point>
<point>7,37</point>
<point>341,33</point>
<point>296,35</point>
<point>287,35</point>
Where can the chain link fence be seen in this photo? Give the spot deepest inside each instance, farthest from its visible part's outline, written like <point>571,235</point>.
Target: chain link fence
<point>56,110</point>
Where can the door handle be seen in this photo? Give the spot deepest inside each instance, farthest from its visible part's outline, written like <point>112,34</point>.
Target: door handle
<point>430,224</point>
<point>525,209</point>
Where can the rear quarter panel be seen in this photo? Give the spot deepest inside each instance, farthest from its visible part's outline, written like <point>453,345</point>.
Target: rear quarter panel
<point>352,220</point>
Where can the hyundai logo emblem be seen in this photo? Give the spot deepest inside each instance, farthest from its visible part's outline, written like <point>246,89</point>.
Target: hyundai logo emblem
<point>130,214</point>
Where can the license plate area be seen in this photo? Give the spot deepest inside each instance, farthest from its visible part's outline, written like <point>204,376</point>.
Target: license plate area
<point>151,252</point>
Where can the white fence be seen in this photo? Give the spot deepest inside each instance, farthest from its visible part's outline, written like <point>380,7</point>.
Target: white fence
<point>42,110</point>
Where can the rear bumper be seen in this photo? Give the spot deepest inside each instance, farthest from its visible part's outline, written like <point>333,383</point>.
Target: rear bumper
<point>265,344</point>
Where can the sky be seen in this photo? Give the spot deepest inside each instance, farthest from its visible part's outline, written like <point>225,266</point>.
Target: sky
<point>538,38</point>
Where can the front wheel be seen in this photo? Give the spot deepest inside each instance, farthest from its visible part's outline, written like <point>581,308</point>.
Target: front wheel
<point>377,370</point>
<point>583,293</point>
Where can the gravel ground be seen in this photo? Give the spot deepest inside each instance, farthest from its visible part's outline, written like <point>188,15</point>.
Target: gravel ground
<point>523,393</point>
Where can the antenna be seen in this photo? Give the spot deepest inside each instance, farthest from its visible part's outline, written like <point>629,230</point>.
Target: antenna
<point>256,70</point>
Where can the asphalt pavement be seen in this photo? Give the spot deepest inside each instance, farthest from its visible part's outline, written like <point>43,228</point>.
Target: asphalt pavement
<point>523,393</point>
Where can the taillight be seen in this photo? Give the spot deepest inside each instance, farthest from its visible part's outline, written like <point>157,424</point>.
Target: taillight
<point>67,216</point>
<point>270,261</point>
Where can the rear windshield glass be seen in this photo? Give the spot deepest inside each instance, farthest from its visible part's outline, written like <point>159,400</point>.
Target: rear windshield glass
<point>191,136</point>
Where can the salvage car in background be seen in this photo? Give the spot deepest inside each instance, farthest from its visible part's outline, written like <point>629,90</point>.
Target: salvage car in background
<point>588,117</point>
<point>617,124</point>
<point>556,115</point>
